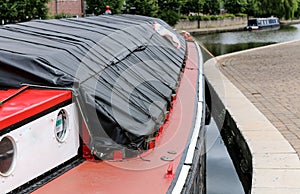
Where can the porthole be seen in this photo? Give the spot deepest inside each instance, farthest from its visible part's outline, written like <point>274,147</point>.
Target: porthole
<point>7,155</point>
<point>61,126</point>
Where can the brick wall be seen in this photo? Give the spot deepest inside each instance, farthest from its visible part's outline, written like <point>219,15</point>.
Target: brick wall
<point>73,7</point>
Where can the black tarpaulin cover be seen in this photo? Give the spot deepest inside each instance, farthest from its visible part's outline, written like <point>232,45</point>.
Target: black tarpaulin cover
<point>122,69</point>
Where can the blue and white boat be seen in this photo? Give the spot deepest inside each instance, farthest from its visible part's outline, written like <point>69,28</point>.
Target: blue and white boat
<point>262,23</point>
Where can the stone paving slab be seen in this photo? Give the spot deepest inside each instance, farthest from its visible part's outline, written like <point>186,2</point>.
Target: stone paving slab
<point>276,161</point>
<point>270,78</point>
<point>260,88</point>
<point>276,191</point>
<point>278,178</point>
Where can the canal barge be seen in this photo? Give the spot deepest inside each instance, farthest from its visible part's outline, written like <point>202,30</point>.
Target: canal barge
<point>263,23</point>
<point>105,104</point>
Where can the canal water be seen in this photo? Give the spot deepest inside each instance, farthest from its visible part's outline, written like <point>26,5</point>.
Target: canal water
<point>221,176</point>
<point>228,42</point>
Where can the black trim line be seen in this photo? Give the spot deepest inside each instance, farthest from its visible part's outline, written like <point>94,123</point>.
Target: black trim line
<point>34,117</point>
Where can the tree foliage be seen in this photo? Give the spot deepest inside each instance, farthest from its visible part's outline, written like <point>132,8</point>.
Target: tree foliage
<point>169,16</point>
<point>280,8</point>
<point>12,11</point>
<point>192,6</point>
<point>211,7</point>
<point>297,12</point>
<point>97,7</point>
<point>169,10</point>
<point>252,7</point>
<point>285,9</point>
<point>141,7</point>
<point>235,6</point>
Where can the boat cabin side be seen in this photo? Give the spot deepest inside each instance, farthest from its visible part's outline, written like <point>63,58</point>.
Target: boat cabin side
<point>38,133</point>
<point>259,23</point>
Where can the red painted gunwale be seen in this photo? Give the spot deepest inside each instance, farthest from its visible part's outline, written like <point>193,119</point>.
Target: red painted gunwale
<point>24,106</point>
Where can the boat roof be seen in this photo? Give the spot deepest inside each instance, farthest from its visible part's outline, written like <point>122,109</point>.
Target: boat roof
<point>121,69</point>
<point>27,104</point>
<point>263,18</point>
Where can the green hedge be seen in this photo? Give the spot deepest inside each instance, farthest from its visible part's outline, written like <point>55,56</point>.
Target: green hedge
<point>210,17</point>
<point>59,16</point>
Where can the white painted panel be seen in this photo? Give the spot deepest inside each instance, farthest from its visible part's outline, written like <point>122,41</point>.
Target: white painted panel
<point>201,75</point>
<point>37,149</point>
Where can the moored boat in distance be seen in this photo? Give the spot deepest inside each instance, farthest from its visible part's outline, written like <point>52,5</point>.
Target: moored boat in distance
<point>105,104</point>
<point>263,23</point>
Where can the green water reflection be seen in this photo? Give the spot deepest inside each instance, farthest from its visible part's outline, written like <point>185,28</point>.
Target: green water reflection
<point>220,49</point>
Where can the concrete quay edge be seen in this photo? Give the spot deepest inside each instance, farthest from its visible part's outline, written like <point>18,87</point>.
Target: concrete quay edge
<point>276,165</point>
<point>215,30</point>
